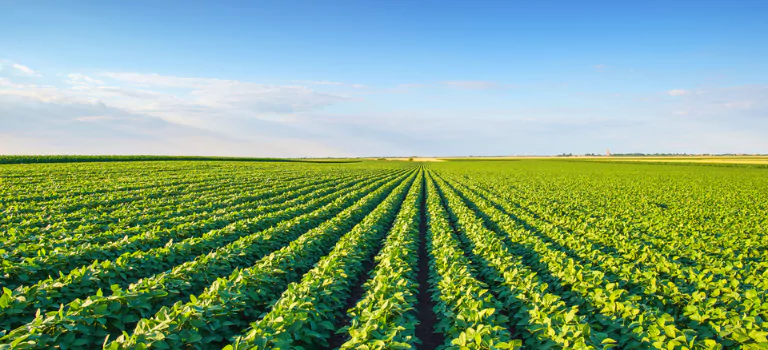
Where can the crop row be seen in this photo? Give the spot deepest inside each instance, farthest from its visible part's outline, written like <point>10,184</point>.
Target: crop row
<point>226,308</point>
<point>18,306</point>
<point>34,269</point>
<point>305,313</point>
<point>471,316</point>
<point>385,255</point>
<point>195,206</point>
<point>93,319</point>
<point>81,202</point>
<point>621,290</point>
<point>385,317</point>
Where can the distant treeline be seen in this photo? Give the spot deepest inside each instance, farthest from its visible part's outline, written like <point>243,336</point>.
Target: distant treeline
<point>80,159</point>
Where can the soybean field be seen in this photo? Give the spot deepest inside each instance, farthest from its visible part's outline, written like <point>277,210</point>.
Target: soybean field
<point>167,253</point>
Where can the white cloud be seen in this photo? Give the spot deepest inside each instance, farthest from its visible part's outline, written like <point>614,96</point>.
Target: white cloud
<point>24,69</point>
<point>10,69</point>
<point>7,82</point>
<point>260,98</point>
<point>678,92</point>
<point>737,104</point>
<point>745,102</point>
<point>160,80</point>
<point>125,112</point>
<point>94,118</point>
<point>80,79</point>
<point>237,116</point>
<point>236,95</point>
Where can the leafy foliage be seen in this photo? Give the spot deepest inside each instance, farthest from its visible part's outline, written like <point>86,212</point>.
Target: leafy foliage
<point>385,317</point>
<point>526,254</point>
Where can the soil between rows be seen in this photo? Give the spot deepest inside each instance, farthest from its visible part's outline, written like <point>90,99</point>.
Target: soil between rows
<point>425,330</point>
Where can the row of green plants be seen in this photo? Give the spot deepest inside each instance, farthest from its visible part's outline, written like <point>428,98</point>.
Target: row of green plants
<point>541,318</point>
<point>18,306</point>
<point>717,308</point>
<point>31,270</point>
<point>220,313</point>
<point>470,316</point>
<point>64,206</point>
<point>616,270</point>
<point>83,199</point>
<point>98,317</point>
<point>526,254</point>
<point>27,159</point>
<point>386,316</point>
<point>61,230</point>
<point>668,315</point>
<point>59,194</point>
<point>596,300</point>
<point>707,217</point>
<point>678,234</point>
<point>198,205</point>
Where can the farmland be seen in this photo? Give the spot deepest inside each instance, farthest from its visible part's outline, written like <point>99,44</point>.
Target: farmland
<point>212,253</point>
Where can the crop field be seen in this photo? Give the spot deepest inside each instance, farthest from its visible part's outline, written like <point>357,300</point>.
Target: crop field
<point>532,254</point>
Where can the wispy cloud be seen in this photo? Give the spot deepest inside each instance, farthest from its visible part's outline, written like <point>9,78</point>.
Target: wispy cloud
<point>411,86</point>
<point>236,115</point>
<point>81,79</point>
<point>10,68</point>
<point>24,69</point>
<point>330,83</point>
<point>130,112</point>
<point>161,80</point>
<point>740,107</point>
<point>94,118</point>
<point>474,85</point>
<point>601,67</point>
<point>237,96</point>
<point>678,92</point>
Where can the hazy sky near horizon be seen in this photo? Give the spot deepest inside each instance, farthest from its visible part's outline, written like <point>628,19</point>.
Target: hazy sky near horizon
<point>376,78</point>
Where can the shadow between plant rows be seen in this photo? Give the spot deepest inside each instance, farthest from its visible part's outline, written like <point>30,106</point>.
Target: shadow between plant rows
<point>467,246</point>
<point>118,232</point>
<point>601,247</point>
<point>684,261</point>
<point>533,260</point>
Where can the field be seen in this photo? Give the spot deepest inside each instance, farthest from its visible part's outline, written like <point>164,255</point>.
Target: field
<point>531,253</point>
<point>643,159</point>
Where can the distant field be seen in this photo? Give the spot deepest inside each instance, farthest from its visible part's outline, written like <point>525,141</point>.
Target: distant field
<point>673,159</point>
<point>414,159</point>
<point>524,254</point>
<point>30,159</point>
<point>723,160</point>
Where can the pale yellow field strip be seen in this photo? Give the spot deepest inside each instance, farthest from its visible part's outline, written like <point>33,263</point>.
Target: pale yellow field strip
<point>671,159</point>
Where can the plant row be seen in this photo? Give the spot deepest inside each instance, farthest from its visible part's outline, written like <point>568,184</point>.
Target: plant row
<point>98,317</point>
<point>165,213</point>
<point>666,314</point>
<point>18,307</point>
<point>386,317</point>
<point>34,269</point>
<point>470,316</point>
<point>229,304</point>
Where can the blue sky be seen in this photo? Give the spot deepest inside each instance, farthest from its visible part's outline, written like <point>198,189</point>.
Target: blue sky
<point>374,78</point>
